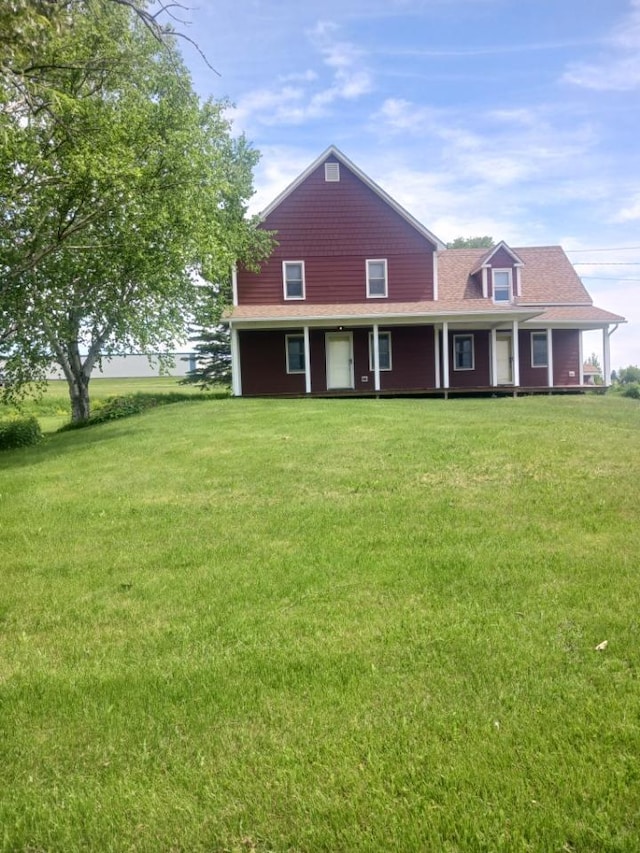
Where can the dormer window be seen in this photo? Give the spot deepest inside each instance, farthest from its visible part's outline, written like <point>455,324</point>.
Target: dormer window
<point>293,279</point>
<point>502,285</point>
<point>377,279</point>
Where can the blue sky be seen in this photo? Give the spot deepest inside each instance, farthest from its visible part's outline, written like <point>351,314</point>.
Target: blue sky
<point>514,118</point>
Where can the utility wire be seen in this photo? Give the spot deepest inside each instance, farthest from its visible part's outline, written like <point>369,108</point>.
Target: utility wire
<point>612,249</point>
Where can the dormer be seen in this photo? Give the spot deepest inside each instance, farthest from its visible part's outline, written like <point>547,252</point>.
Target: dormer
<point>500,269</point>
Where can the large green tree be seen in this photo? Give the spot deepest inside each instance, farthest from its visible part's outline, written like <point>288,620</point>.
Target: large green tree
<point>485,242</point>
<point>120,193</point>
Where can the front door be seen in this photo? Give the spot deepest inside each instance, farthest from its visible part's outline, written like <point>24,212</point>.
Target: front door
<point>504,358</point>
<point>339,346</point>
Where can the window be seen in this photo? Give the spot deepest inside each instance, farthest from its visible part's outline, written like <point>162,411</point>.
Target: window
<point>539,353</point>
<point>502,285</point>
<point>384,350</point>
<point>293,276</point>
<point>295,353</point>
<point>463,352</point>
<point>377,278</point>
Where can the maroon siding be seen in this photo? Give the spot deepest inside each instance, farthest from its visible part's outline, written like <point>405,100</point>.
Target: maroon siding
<point>566,356</point>
<point>263,361</point>
<point>502,260</point>
<point>478,377</point>
<point>530,377</point>
<point>334,227</point>
<point>263,364</point>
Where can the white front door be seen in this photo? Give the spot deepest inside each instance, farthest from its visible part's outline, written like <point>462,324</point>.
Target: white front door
<point>504,358</point>
<point>339,347</point>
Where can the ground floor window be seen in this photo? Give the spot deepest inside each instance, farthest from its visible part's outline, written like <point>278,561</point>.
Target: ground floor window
<point>539,352</point>
<point>463,356</point>
<point>384,350</point>
<point>295,353</point>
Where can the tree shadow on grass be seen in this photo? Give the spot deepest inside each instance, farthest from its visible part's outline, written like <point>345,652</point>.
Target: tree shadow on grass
<point>62,443</point>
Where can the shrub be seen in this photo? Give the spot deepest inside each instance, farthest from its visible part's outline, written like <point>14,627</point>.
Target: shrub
<point>632,390</point>
<point>114,408</point>
<point>19,431</point>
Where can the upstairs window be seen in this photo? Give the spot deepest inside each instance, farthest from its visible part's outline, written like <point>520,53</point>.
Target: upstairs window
<point>293,277</point>
<point>463,356</point>
<point>377,279</point>
<point>384,351</point>
<point>539,350</point>
<point>502,285</point>
<point>295,353</point>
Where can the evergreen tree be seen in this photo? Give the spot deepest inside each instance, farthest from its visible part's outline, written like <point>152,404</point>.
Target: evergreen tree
<point>213,358</point>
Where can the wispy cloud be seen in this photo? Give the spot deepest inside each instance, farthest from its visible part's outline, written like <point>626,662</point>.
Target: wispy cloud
<point>618,67</point>
<point>342,76</point>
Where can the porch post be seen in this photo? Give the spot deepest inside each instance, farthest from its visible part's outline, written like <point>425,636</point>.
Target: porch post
<point>436,351</point>
<point>516,354</point>
<point>494,357</point>
<point>550,358</point>
<point>236,378</point>
<point>307,361</point>
<point>445,353</point>
<point>376,358</point>
<point>580,360</point>
<point>606,357</point>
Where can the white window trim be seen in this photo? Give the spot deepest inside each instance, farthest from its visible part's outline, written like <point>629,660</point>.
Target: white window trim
<point>286,352</point>
<point>371,364</point>
<point>386,278</point>
<point>285,264</point>
<point>540,335</point>
<point>473,352</point>
<point>509,272</point>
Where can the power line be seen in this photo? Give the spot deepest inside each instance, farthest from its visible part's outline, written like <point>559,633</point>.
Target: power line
<point>602,278</point>
<point>612,249</point>
<point>606,263</point>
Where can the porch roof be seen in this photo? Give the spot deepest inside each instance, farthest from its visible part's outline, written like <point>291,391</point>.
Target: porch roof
<point>469,311</point>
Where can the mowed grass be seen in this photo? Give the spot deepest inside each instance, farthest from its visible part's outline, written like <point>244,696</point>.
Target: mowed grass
<point>340,625</point>
<point>53,409</point>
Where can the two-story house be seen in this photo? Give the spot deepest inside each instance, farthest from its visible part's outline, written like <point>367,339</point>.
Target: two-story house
<point>358,296</point>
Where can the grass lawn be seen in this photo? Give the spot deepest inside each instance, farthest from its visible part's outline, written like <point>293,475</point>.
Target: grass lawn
<point>53,408</point>
<point>324,625</point>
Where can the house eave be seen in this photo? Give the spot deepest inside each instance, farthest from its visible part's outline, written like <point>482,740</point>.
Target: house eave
<point>490,319</point>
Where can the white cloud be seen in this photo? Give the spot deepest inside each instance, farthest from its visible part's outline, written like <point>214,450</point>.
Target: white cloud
<point>311,97</point>
<point>618,68</point>
<point>631,213</point>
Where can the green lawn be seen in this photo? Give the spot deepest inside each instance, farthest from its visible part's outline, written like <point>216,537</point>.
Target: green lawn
<point>348,625</point>
<point>53,408</point>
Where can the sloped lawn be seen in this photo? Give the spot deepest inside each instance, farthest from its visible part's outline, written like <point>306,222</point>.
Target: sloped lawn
<point>324,626</point>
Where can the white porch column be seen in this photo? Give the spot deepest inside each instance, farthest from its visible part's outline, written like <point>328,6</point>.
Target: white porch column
<point>580,360</point>
<point>550,358</point>
<point>516,354</point>
<point>445,353</point>
<point>494,357</point>
<point>234,283</point>
<point>436,351</point>
<point>606,357</point>
<point>307,361</point>
<point>376,358</point>
<point>236,378</point>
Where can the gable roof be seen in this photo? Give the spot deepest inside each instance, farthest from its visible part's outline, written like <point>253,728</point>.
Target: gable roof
<point>334,153</point>
<point>484,261</point>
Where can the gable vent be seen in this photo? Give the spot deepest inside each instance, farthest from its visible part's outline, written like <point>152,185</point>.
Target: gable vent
<point>332,171</point>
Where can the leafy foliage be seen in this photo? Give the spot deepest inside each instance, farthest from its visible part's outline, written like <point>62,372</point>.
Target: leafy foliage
<point>124,406</point>
<point>472,243</point>
<point>631,389</point>
<point>629,375</point>
<point>119,193</point>
<point>19,431</point>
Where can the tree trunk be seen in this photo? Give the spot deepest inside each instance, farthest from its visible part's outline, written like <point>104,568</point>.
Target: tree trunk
<point>79,394</point>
